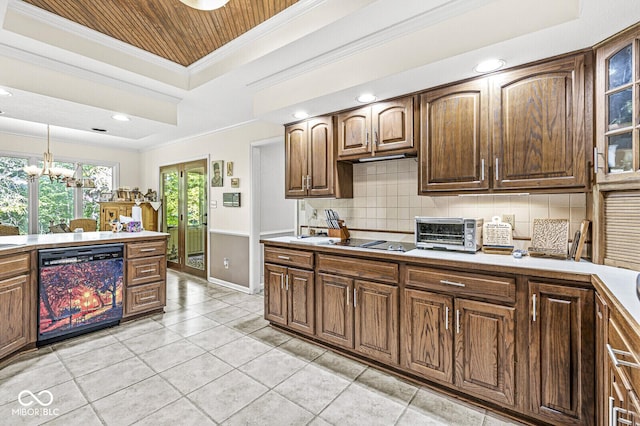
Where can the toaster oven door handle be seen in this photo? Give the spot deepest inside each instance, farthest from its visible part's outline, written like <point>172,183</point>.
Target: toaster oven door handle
<point>447,282</point>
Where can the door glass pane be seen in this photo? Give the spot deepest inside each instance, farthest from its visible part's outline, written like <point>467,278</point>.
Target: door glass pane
<point>620,109</point>
<point>55,201</point>
<point>196,215</point>
<point>14,193</point>
<point>102,177</point>
<point>620,153</point>
<point>170,210</point>
<point>620,68</point>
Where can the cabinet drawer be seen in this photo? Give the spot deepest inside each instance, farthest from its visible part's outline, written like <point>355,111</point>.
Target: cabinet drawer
<point>14,265</point>
<point>144,298</point>
<point>485,286</point>
<point>146,270</point>
<point>359,268</point>
<point>146,249</point>
<point>622,356</point>
<point>300,259</point>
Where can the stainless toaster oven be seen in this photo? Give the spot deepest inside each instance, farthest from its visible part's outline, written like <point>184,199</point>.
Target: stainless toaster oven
<point>449,233</point>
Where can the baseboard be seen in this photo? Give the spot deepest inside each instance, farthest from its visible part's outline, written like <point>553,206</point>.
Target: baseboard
<point>229,285</point>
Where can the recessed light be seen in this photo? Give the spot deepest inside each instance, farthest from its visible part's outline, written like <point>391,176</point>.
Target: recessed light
<point>120,117</point>
<point>366,98</point>
<point>95,129</point>
<point>489,65</point>
<point>301,115</point>
<point>4,92</point>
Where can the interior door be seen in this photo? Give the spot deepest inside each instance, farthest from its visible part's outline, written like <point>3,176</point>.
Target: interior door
<point>184,195</point>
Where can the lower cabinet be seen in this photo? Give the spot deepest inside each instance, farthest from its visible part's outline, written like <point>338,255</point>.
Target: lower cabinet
<point>476,340</point>
<point>145,283</point>
<point>561,353</point>
<point>359,315</point>
<point>289,297</point>
<point>16,303</point>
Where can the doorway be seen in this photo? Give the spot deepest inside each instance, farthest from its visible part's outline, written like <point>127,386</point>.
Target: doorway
<point>183,188</point>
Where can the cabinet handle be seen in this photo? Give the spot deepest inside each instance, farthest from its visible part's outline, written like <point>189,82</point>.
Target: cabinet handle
<point>595,160</point>
<point>616,361</point>
<point>367,139</point>
<point>447,282</point>
<point>348,292</point>
<point>497,167</point>
<point>284,257</point>
<point>611,401</point>
<point>375,134</point>
<point>534,307</point>
<point>144,271</point>
<point>308,181</point>
<point>304,185</point>
<point>142,299</point>
<point>446,318</point>
<point>355,298</point>
<point>282,282</point>
<point>482,170</point>
<point>287,282</point>
<point>457,321</point>
<point>146,250</point>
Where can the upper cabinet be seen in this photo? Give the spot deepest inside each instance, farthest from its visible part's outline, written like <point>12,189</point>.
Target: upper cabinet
<point>310,162</point>
<point>524,129</point>
<point>617,114</point>
<point>539,127</point>
<point>384,128</point>
<point>455,138</point>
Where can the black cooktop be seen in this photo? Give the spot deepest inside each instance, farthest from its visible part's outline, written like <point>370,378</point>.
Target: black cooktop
<point>376,244</point>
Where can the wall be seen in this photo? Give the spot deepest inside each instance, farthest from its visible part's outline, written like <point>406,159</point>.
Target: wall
<point>385,198</point>
<point>229,227</point>
<point>129,160</point>
<point>277,214</point>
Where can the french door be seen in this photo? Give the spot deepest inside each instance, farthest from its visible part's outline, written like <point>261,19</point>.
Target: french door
<point>183,188</point>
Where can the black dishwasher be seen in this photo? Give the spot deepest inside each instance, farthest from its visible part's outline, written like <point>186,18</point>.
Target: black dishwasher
<point>80,290</point>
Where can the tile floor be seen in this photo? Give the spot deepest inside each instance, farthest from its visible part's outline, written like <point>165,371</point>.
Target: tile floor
<point>212,359</point>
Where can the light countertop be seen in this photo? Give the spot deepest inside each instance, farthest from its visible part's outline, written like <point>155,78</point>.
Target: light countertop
<point>65,239</point>
<point>620,282</point>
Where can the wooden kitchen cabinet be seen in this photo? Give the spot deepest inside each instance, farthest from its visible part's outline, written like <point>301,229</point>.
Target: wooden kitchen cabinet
<point>464,342</point>
<point>110,211</point>
<point>376,320</point>
<point>384,128</point>
<point>335,310</point>
<point>145,280</point>
<point>289,292</point>
<point>541,134</point>
<point>561,353</point>
<point>17,328</point>
<point>454,149</point>
<point>310,162</point>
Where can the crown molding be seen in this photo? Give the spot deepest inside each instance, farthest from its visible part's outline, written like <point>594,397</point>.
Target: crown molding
<point>423,20</point>
<point>75,71</point>
<point>272,24</point>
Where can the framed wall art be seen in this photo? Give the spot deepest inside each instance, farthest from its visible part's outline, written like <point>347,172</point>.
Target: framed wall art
<point>217,167</point>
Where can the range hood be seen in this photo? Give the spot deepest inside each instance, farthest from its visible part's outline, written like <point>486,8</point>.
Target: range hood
<point>383,158</point>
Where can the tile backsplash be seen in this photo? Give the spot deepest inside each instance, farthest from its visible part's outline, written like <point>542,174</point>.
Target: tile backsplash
<point>384,199</point>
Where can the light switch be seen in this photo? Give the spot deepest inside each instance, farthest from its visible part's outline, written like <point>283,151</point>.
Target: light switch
<point>214,204</point>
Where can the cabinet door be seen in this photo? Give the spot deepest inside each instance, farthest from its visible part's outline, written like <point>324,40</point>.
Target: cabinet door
<point>455,138</point>
<point>485,349</point>
<point>354,129</point>
<point>14,313</point>
<point>602,320</point>
<point>296,154</point>
<point>427,334</point>
<point>392,124</point>
<point>335,309</point>
<point>275,295</point>
<point>561,353</point>
<point>538,123</point>
<point>301,300</point>
<point>320,157</point>
<point>376,320</point>
<point>110,212</point>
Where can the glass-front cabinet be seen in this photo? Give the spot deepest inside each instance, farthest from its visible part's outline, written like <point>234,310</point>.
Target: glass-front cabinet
<point>617,108</point>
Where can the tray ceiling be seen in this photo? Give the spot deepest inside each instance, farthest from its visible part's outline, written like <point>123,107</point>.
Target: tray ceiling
<point>167,28</point>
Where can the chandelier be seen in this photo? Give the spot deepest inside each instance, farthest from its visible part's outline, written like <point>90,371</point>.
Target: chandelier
<point>205,4</point>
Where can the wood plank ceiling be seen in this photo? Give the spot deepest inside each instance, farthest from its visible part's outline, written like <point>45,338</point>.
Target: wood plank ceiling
<point>167,28</point>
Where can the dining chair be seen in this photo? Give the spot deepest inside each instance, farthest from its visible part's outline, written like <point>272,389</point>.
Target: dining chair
<point>87,225</point>
<point>9,230</point>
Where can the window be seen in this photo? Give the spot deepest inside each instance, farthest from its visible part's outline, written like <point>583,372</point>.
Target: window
<point>56,202</point>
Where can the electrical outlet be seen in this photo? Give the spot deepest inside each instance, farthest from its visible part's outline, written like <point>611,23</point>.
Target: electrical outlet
<point>510,219</point>
<point>226,263</point>
<point>314,214</point>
